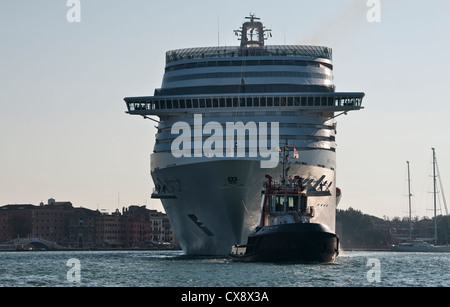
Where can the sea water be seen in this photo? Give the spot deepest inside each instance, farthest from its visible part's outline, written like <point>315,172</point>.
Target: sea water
<point>173,269</point>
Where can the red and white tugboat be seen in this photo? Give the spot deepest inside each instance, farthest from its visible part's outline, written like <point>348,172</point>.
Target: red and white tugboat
<point>285,232</point>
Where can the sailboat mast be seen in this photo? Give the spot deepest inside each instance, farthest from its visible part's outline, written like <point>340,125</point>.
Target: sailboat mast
<point>442,188</point>
<point>409,197</point>
<point>434,193</point>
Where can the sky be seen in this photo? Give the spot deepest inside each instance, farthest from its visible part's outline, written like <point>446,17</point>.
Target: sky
<point>64,133</point>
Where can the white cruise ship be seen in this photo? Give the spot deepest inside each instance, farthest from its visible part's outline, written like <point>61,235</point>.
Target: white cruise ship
<point>210,181</point>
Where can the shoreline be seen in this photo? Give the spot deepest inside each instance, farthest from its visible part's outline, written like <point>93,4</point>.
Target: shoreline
<point>342,250</point>
<point>91,249</point>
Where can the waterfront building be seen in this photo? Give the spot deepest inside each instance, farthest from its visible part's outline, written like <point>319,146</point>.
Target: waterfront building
<point>81,228</point>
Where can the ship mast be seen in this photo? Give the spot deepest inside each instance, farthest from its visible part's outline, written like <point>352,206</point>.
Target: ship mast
<point>438,174</point>
<point>409,197</point>
<point>286,165</point>
<point>253,33</point>
<point>434,194</point>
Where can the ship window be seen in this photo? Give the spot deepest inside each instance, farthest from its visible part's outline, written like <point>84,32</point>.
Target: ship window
<point>330,101</point>
<point>208,103</point>
<point>202,103</point>
<point>303,203</point>
<point>169,104</point>
<point>249,102</point>
<point>175,104</point>
<point>223,63</point>
<point>267,62</point>
<point>270,102</point>
<point>263,102</point>
<point>292,203</point>
<point>290,101</point>
<point>252,63</point>
<point>317,101</point>
<point>279,203</point>
<point>182,104</point>
<point>310,101</point>
<point>229,104</point>
<point>222,102</point>
<point>256,102</point>
<point>235,102</point>
<point>195,103</point>
<point>215,102</point>
<point>162,104</point>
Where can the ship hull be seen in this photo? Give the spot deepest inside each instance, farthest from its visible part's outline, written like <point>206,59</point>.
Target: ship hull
<point>300,243</point>
<point>435,249</point>
<point>215,205</point>
<point>420,247</point>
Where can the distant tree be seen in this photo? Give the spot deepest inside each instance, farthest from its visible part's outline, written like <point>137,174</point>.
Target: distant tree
<point>358,229</point>
<point>362,230</point>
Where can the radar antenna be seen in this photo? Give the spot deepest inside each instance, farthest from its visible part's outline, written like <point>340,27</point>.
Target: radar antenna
<point>253,33</point>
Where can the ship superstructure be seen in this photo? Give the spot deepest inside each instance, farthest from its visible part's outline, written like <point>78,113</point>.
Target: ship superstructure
<point>221,112</point>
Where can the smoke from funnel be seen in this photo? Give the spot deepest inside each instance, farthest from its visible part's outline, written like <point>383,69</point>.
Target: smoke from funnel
<point>341,26</point>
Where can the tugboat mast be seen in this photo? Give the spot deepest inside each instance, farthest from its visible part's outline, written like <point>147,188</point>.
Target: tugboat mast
<point>286,164</point>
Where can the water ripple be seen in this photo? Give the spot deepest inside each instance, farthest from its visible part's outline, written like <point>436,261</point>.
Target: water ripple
<point>172,268</point>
